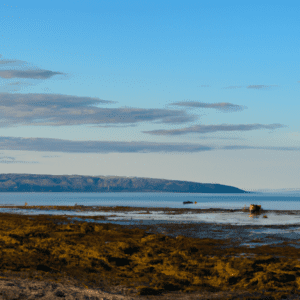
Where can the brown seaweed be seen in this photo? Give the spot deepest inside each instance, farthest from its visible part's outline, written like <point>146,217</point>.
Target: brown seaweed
<point>106,255</point>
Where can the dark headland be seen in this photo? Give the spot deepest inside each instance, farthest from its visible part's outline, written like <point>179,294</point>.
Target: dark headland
<point>78,183</point>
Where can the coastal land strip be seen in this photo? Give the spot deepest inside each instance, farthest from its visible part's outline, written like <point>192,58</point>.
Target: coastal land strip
<point>41,183</point>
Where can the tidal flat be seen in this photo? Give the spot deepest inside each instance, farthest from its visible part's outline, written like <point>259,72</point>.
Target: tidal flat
<point>149,261</point>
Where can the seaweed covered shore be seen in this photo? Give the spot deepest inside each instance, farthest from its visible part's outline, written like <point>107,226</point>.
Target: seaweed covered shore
<point>146,264</point>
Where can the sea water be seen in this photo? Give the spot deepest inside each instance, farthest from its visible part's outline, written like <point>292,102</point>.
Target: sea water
<point>268,201</point>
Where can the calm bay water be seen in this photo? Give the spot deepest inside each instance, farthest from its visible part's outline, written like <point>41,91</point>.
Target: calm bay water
<point>270,201</point>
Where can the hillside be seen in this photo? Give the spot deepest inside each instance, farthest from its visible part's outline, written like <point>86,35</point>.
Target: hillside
<point>78,183</point>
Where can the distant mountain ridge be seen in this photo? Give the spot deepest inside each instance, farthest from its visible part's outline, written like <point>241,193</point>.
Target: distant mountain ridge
<point>79,183</point>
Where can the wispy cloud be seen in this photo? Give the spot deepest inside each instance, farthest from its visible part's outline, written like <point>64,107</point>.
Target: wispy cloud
<point>16,83</point>
<point>12,160</point>
<point>225,107</point>
<point>255,87</point>
<point>14,86</point>
<point>11,62</point>
<point>31,74</point>
<point>59,145</point>
<point>260,86</point>
<point>240,147</point>
<point>203,129</point>
<point>233,87</point>
<point>66,146</point>
<point>7,157</point>
<point>64,110</point>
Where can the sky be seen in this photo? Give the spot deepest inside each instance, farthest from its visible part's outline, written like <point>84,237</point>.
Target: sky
<point>202,91</point>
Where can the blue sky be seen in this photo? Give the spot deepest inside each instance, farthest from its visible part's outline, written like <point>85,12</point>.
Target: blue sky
<point>204,91</point>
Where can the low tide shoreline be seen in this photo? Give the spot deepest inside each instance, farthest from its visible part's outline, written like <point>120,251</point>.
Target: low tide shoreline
<point>95,208</point>
<point>137,261</point>
<point>247,235</point>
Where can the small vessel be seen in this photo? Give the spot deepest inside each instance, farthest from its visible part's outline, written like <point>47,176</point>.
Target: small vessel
<point>187,202</point>
<point>254,208</point>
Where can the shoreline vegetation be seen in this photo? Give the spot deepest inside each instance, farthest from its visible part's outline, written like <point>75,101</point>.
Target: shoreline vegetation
<point>145,264</point>
<point>105,184</point>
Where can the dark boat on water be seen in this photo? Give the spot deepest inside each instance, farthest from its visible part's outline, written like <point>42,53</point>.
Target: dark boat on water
<point>187,202</point>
